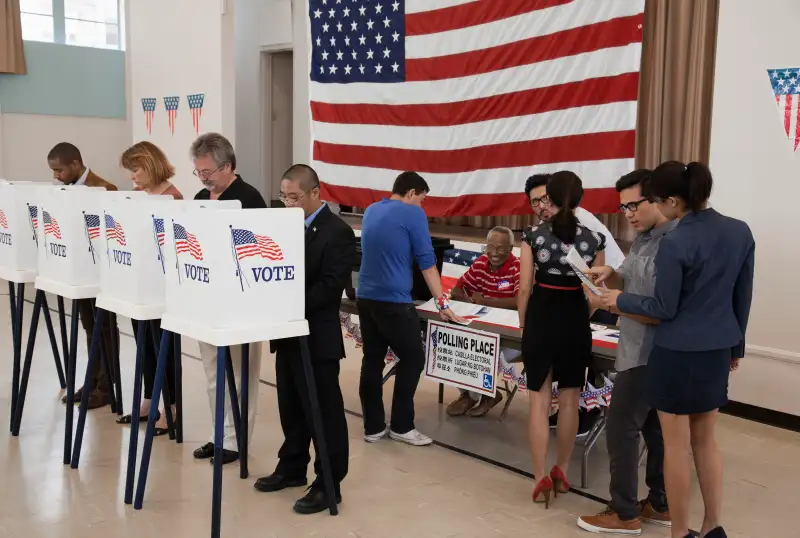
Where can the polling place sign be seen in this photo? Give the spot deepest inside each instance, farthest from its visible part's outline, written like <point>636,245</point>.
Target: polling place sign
<point>463,357</point>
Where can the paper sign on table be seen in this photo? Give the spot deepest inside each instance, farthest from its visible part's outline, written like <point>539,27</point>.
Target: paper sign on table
<point>462,357</point>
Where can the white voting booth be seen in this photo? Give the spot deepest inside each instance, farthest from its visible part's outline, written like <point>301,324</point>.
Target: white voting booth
<point>18,230</point>
<point>235,277</point>
<point>70,239</point>
<point>133,265</point>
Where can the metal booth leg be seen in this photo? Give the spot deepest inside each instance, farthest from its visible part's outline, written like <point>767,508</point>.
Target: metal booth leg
<point>51,333</point>
<point>178,388</point>
<point>594,435</point>
<point>115,364</point>
<point>244,428</point>
<point>319,432</point>
<point>158,386</point>
<point>22,385</point>
<point>73,358</point>
<point>141,335</point>
<point>17,303</point>
<point>87,382</point>
<point>157,343</point>
<point>234,397</point>
<point>219,436</point>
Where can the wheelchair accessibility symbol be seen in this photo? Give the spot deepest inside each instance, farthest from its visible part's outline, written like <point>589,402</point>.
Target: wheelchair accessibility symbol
<point>487,381</point>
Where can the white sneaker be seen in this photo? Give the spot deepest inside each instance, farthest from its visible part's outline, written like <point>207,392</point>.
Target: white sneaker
<point>375,437</point>
<point>413,438</point>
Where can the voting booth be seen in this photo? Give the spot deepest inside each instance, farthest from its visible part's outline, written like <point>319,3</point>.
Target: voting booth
<point>18,230</point>
<point>234,277</point>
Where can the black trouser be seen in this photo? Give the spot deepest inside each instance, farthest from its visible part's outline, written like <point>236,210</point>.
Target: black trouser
<point>628,416</point>
<point>384,326</point>
<point>297,423</point>
<point>150,361</point>
<point>110,335</point>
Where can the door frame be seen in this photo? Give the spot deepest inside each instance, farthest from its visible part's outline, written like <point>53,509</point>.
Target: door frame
<point>266,109</point>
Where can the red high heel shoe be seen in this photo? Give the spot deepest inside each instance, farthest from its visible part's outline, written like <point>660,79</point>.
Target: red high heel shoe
<point>560,483</point>
<point>543,487</point>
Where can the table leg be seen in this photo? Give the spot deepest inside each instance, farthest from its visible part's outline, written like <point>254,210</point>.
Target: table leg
<point>592,438</point>
<point>87,382</point>
<point>441,392</point>
<point>245,417</point>
<point>16,421</point>
<point>73,359</point>
<point>141,335</point>
<point>178,388</point>
<point>219,437</point>
<point>319,431</point>
<point>389,374</point>
<point>51,333</point>
<point>147,447</point>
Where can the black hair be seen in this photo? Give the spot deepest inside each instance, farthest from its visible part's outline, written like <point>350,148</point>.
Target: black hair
<point>307,176</point>
<point>631,179</point>
<point>410,181</point>
<point>536,180</point>
<point>65,153</point>
<point>690,182</point>
<point>565,190</point>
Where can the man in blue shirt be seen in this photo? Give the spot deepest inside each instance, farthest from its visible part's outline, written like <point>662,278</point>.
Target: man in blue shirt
<point>394,236</point>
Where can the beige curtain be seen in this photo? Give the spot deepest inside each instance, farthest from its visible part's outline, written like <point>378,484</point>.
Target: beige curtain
<point>12,54</point>
<point>675,93</point>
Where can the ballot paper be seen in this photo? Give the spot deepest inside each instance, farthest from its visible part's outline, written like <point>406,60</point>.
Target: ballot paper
<point>575,261</point>
<point>468,311</point>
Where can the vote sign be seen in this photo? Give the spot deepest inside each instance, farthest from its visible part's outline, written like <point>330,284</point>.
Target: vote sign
<point>462,357</point>
<point>18,230</point>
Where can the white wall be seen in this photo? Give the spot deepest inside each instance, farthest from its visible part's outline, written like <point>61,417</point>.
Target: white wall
<point>178,48</point>
<point>26,139</point>
<point>758,180</point>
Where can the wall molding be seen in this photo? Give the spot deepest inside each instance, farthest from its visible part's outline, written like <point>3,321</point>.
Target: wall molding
<point>781,355</point>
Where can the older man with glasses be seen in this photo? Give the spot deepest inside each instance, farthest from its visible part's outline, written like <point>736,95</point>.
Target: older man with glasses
<point>215,164</point>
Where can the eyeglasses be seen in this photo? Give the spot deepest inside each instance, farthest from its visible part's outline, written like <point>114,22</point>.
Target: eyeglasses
<point>291,199</point>
<point>205,174</point>
<point>498,250</point>
<point>633,207</point>
<point>543,201</point>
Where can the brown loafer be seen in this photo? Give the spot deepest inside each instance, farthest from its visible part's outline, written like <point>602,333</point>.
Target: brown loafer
<point>97,398</point>
<point>486,405</point>
<point>460,406</point>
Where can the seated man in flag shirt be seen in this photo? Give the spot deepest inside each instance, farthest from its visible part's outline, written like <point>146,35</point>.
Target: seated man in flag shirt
<point>492,280</point>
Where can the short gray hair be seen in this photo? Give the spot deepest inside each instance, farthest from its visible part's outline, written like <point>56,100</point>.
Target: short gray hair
<point>502,230</point>
<point>216,145</point>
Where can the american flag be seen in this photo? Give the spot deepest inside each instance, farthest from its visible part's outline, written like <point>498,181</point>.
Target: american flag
<point>249,244</point>
<point>114,230</point>
<point>786,88</point>
<point>196,106</point>
<point>475,95</point>
<point>149,108</point>
<point>92,225</point>
<point>33,212</point>
<point>171,104</point>
<point>51,225</point>
<point>159,224</point>
<point>3,220</point>
<point>434,341</point>
<point>186,242</point>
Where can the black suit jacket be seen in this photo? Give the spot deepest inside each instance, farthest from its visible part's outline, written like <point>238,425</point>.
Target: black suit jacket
<point>330,255</point>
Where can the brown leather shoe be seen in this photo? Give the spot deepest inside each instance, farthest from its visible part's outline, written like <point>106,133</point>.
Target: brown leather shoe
<point>651,515</point>
<point>486,405</point>
<point>97,398</point>
<point>608,522</point>
<point>460,406</point>
<point>77,398</point>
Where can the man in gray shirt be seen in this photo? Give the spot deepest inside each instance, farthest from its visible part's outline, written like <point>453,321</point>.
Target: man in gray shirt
<point>629,414</point>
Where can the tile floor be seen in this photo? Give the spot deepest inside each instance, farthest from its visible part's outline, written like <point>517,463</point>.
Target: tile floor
<point>392,490</point>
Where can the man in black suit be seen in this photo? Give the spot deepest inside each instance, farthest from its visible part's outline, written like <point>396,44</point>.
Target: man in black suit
<point>330,253</point>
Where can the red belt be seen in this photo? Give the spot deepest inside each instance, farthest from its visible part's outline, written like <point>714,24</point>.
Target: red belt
<point>562,288</point>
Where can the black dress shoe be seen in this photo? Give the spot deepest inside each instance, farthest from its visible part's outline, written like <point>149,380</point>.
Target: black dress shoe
<point>315,501</point>
<point>204,452</point>
<point>228,456</point>
<point>276,482</point>
<point>719,532</point>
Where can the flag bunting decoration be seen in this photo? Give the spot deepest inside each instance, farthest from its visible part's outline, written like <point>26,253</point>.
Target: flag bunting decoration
<point>149,108</point>
<point>196,106</point>
<point>786,89</point>
<point>475,95</point>
<point>171,104</point>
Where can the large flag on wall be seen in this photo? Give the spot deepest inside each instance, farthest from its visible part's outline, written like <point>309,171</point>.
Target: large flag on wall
<point>475,95</point>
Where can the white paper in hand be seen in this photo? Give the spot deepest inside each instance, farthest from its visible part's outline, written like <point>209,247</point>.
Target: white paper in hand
<point>579,266</point>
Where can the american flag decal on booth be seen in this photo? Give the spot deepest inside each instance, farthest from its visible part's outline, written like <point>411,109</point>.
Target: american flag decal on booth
<point>149,108</point>
<point>114,231</point>
<point>3,220</point>
<point>786,88</point>
<point>475,96</point>
<point>51,225</point>
<point>196,106</point>
<point>186,242</point>
<point>92,226</point>
<point>171,104</point>
<point>249,244</point>
<point>33,214</point>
